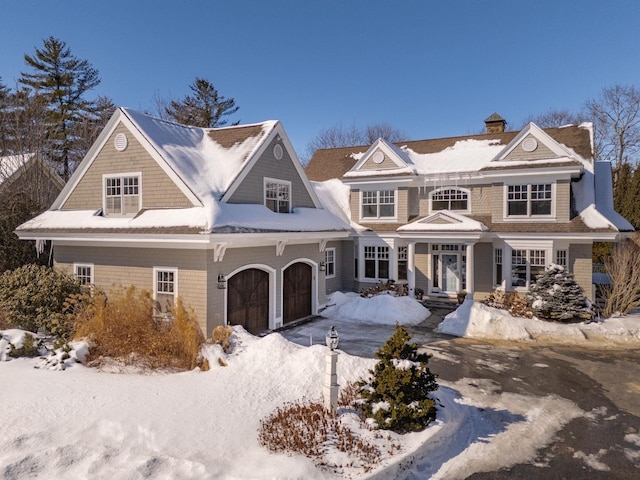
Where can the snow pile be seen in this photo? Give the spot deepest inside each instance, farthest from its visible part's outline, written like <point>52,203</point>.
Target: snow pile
<point>12,336</point>
<point>476,320</point>
<point>382,309</point>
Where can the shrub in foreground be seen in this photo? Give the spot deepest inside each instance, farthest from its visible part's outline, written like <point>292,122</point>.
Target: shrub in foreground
<point>397,398</point>
<point>123,327</point>
<point>34,297</point>
<point>511,301</point>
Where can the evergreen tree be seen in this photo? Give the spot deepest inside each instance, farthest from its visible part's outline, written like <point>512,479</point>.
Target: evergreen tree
<point>398,396</point>
<point>557,296</point>
<point>205,108</point>
<point>63,80</point>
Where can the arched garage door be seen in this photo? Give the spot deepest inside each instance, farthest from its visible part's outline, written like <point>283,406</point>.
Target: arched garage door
<point>296,292</point>
<point>248,300</point>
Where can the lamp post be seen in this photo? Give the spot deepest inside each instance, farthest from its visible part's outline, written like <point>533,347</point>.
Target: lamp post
<point>330,387</point>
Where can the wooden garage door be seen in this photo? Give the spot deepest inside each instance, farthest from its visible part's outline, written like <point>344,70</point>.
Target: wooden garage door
<point>248,300</point>
<point>296,292</point>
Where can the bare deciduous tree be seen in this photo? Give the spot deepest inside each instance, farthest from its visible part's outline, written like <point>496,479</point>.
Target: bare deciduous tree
<point>616,117</point>
<point>345,136</point>
<point>622,294</point>
<point>556,118</point>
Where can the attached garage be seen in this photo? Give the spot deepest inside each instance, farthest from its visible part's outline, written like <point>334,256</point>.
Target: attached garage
<point>296,292</point>
<point>248,300</point>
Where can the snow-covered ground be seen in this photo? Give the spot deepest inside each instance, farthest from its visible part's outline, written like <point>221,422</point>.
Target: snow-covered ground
<point>120,424</point>
<point>476,320</point>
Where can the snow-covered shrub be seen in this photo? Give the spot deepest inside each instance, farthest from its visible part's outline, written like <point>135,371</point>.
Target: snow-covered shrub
<point>33,297</point>
<point>29,348</point>
<point>557,296</point>
<point>397,398</point>
<point>221,335</point>
<point>123,327</point>
<point>511,301</point>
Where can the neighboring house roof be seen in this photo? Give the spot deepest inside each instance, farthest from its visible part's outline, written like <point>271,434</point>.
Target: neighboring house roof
<point>207,164</point>
<point>11,166</point>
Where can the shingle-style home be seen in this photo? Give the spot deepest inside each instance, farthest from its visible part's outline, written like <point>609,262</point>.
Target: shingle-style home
<point>229,220</point>
<point>471,213</point>
<point>225,218</point>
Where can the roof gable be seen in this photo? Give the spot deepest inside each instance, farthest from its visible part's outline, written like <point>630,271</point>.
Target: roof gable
<point>444,220</point>
<point>532,144</point>
<point>382,158</point>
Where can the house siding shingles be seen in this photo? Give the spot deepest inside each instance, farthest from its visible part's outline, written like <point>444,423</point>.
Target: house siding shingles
<point>402,205</point>
<point>580,264</point>
<point>158,190</point>
<point>519,154</point>
<point>251,189</point>
<point>563,201</point>
<point>115,267</point>
<point>386,164</point>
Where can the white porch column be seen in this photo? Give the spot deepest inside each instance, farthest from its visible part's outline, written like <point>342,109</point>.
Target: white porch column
<point>470,269</point>
<point>411,268</point>
<point>507,268</point>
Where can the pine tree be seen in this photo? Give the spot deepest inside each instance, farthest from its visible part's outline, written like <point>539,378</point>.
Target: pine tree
<point>204,109</point>
<point>397,398</point>
<point>557,296</point>
<point>63,80</point>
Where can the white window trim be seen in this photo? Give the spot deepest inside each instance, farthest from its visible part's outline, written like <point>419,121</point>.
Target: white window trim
<point>437,190</point>
<point>326,263</point>
<point>84,265</point>
<point>157,270</point>
<point>266,180</point>
<point>378,219</point>
<point>529,217</point>
<point>105,176</point>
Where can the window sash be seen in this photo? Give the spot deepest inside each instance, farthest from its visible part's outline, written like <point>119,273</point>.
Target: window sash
<point>376,262</point>
<point>277,196</point>
<point>378,204</point>
<point>450,199</point>
<point>529,200</point>
<point>122,195</point>
<point>329,262</point>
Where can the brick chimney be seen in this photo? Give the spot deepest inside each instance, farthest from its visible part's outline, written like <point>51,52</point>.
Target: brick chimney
<point>495,124</point>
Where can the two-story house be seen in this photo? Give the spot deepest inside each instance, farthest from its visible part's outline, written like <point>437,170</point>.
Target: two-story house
<point>223,217</point>
<point>471,213</point>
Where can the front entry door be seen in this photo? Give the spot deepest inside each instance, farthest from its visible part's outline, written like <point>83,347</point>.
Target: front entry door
<point>450,273</point>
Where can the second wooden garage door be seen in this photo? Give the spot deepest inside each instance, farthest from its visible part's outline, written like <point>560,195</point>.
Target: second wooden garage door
<point>248,300</point>
<point>296,292</point>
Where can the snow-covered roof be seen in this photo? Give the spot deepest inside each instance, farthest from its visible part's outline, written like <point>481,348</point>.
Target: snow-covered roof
<point>205,162</point>
<point>444,220</point>
<point>206,159</point>
<point>11,163</point>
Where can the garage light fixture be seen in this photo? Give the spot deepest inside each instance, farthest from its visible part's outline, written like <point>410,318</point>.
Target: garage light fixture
<point>222,282</point>
<point>323,266</point>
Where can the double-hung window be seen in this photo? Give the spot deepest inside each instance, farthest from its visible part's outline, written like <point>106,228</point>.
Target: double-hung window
<point>526,265</point>
<point>84,273</point>
<point>122,194</point>
<point>330,262</point>
<point>402,263</point>
<point>376,262</point>
<point>277,195</point>
<point>165,290</point>
<point>529,200</point>
<point>378,204</point>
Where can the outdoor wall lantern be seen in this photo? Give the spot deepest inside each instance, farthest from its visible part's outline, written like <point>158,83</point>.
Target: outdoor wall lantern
<point>323,266</point>
<point>332,338</point>
<point>222,282</point>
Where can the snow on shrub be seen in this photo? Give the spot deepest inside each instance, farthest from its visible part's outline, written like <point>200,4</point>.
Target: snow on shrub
<point>557,296</point>
<point>397,398</point>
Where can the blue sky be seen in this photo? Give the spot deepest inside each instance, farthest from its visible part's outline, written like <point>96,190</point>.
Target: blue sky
<point>429,68</point>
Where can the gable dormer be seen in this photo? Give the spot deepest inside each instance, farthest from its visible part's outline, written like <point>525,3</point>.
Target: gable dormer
<point>382,158</point>
<point>533,144</point>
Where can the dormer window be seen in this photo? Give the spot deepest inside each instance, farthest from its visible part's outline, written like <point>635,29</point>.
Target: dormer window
<point>122,194</point>
<point>277,195</point>
<point>455,199</point>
